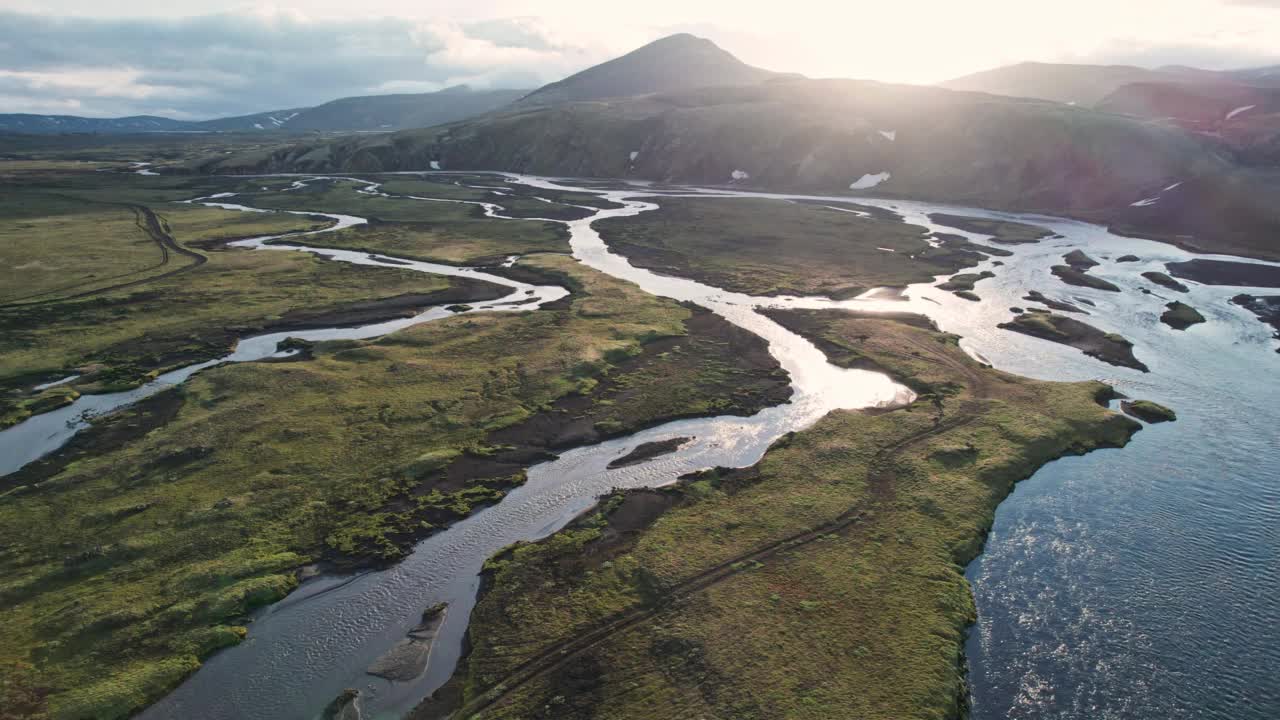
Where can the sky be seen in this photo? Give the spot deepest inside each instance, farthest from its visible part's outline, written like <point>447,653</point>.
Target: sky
<point>218,58</point>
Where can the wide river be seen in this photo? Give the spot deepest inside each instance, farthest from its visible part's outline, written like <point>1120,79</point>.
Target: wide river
<point>1134,583</point>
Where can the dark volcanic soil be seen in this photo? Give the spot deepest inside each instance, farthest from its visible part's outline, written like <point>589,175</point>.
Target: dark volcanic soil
<point>1266,307</point>
<point>1227,272</point>
<point>648,451</point>
<point>463,290</point>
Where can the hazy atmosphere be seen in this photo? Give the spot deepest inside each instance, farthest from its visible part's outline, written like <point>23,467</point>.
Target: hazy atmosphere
<point>200,60</point>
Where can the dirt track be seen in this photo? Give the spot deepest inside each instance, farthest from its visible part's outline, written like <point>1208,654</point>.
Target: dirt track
<point>156,229</point>
<point>880,476</point>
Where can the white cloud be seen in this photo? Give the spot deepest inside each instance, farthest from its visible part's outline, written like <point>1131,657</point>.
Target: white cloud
<point>222,57</point>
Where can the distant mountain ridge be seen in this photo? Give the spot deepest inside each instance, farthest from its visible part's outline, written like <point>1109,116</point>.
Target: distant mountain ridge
<point>836,136</point>
<point>1236,109</point>
<point>374,112</point>
<point>1089,84</point>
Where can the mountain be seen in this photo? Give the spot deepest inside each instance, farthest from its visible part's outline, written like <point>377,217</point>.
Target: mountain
<point>1262,77</point>
<point>1244,118</point>
<point>394,112</point>
<point>830,136</point>
<point>676,62</point>
<point>272,120</point>
<point>374,112</point>
<point>1209,106</point>
<point>1089,85</point>
<point>28,123</point>
<point>1082,85</point>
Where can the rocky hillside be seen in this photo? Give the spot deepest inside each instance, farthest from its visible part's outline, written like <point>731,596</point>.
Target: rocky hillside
<point>1245,117</point>
<point>397,112</point>
<point>676,62</point>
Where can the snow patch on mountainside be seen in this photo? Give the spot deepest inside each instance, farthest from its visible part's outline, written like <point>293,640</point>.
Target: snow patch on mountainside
<point>868,181</point>
<point>1239,110</point>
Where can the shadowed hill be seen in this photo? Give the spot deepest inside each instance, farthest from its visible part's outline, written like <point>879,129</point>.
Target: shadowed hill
<point>1246,118</point>
<point>373,112</point>
<point>1084,85</point>
<point>395,112</point>
<point>671,63</point>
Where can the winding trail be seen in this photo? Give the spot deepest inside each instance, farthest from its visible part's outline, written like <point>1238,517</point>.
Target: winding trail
<point>156,229</point>
<point>42,434</point>
<point>880,478</point>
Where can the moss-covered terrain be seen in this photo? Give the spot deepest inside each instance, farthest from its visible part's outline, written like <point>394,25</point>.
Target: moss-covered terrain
<point>826,581</point>
<point>118,329</point>
<point>1165,281</point>
<point>962,284</point>
<point>1180,316</point>
<point>163,538</point>
<point>775,247</point>
<point>139,548</point>
<point>1107,347</point>
<point>1148,411</point>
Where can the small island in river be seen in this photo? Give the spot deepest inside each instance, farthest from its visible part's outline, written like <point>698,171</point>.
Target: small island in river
<point>1107,347</point>
<point>1181,316</point>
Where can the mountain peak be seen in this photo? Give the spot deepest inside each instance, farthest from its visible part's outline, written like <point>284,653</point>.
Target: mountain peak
<point>674,62</point>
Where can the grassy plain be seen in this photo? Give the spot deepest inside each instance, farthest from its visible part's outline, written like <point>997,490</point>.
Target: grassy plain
<point>827,581</point>
<point>148,307</point>
<point>773,247</point>
<point>139,550</point>
<point>51,246</point>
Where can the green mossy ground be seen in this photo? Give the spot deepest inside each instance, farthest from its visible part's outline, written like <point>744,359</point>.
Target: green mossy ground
<point>139,549</point>
<point>712,612</point>
<point>1148,411</point>
<point>775,247</point>
<point>117,338</point>
<point>1180,316</point>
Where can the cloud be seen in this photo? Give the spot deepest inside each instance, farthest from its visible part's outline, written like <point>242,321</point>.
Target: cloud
<point>228,64</point>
